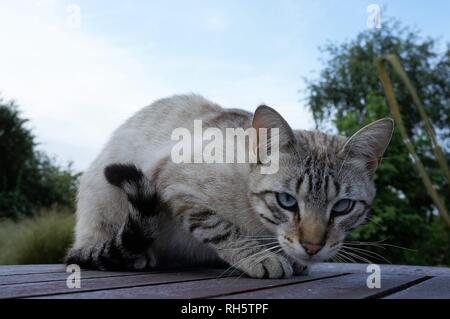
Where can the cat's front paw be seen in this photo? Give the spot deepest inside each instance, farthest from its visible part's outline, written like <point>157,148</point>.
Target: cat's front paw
<point>269,266</point>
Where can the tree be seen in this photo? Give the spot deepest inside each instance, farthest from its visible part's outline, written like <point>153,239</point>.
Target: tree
<point>348,95</point>
<point>29,179</point>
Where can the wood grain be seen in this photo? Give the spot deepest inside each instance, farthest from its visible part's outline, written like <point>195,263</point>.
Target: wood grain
<point>342,287</point>
<point>197,289</point>
<point>326,280</point>
<point>435,288</point>
<point>30,269</point>
<point>59,276</point>
<point>60,287</point>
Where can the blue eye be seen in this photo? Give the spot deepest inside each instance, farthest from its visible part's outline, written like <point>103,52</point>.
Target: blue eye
<point>342,207</point>
<point>286,201</point>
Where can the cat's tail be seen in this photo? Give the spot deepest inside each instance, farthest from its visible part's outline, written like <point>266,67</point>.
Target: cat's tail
<point>130,247</point>
<point>140,191</point>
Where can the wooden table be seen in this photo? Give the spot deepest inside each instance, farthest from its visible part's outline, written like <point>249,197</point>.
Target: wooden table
<point>326,280</point>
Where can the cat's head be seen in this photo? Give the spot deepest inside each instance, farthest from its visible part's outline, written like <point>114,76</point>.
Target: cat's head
<point>324,186</point>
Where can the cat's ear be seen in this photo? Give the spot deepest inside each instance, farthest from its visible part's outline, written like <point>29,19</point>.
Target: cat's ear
<point>370,142</point>
<point>266,117</point>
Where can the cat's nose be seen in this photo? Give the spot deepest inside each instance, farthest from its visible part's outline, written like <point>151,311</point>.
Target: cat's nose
<point>312,249</point>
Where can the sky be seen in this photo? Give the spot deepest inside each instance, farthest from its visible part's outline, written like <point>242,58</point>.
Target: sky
<point>78,69</point>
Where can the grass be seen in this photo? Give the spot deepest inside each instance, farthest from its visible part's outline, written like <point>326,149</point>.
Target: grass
<point>43,239</point>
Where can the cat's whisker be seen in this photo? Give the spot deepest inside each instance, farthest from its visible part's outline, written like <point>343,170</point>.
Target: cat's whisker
<point>373,221</point>
<point>241,275</point>
<point>355,255</point>
<point>266,250</point>
<point>337,258</point>
<point>255,241</point>
<point>234,265</point>
<point>263,235</point>
<point>367,245</point>
<point>233,268</point>
<point>240,248</point>
<point>378,244</point>
<point>365,242</point>
<point>367,253</point>
<point>368,256</point>
<point>262,258</point>
<point>274,237</point>
<point>276,252</point>
<point>251,240</point>
<point>344,258</point>
<point>350,257</point>
<point>399,247</point>
<point>262,238</point>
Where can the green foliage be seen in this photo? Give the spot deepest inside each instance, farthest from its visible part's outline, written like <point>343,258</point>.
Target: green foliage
<point>44,238</point>
<point>350,74</point>
<point>29,179</point>
<point>349,95</point>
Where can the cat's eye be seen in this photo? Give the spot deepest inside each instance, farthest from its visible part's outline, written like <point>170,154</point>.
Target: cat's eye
<point>286,201</point>
<point>342,207</point>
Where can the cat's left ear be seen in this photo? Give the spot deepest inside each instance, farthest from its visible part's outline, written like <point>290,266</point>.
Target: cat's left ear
<point>370,142</point>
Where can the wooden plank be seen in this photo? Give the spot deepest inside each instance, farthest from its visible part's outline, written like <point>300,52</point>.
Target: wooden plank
<point>434,288</point>
<point>385,269</point>
<point>58,276</point>
<point>343,287</point>
<point>7,270</point>
<point>58,287</point>
<point>193,289</point>
<point>321,267</point>
<point>44,280</point>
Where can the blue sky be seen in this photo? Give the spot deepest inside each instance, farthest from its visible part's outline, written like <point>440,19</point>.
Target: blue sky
<point>77,84</point>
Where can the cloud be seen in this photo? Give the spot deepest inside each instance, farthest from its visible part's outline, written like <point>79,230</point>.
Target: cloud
<point>76,87</point>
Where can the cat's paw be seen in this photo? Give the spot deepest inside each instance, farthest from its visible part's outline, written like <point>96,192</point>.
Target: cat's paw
<point>271,266</point>
<point>147,261</point>
<point>300,269</point>
<point>139,263</point>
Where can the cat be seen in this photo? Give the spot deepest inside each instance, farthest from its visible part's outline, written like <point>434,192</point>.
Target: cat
<point>137,209</point>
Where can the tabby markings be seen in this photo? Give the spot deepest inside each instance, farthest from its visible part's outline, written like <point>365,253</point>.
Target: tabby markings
<point>190,148</point>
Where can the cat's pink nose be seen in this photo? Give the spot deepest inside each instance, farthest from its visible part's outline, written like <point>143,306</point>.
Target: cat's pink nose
<point>312,249</point>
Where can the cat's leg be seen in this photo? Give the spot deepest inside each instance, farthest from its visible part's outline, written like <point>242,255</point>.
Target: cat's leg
<point>130,246</point>
<point>250,256</point>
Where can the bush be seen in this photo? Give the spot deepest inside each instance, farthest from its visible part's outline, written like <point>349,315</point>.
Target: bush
<point>42,239</point>
<point>29,180</point>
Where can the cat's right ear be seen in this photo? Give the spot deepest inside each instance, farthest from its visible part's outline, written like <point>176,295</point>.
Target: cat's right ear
<point>370,142</point>
<point>267,118</point>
